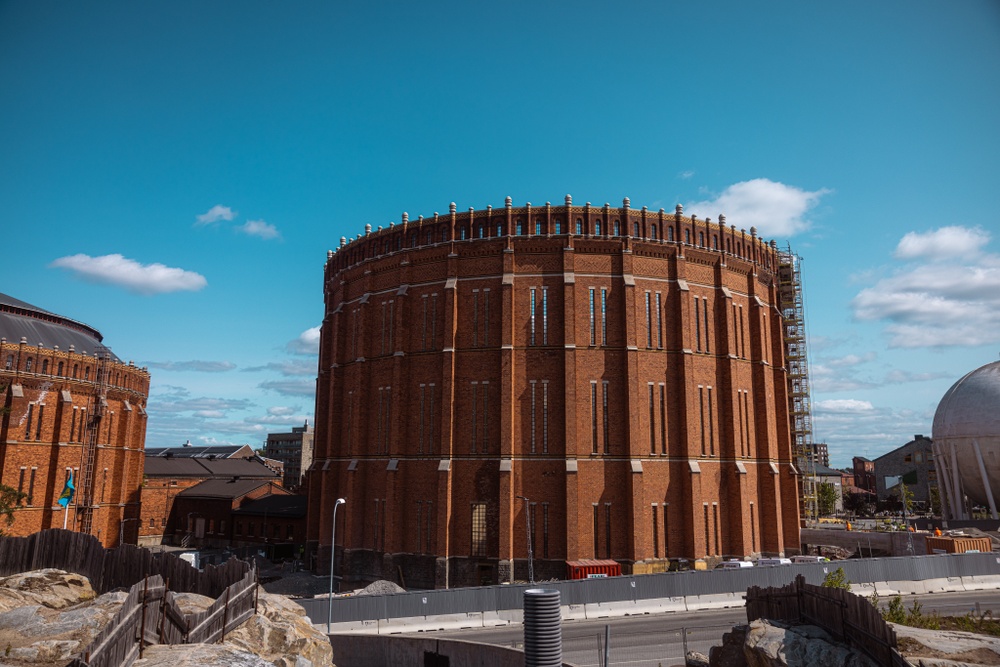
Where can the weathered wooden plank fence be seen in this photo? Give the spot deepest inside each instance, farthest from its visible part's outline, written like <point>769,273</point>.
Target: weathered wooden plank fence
<point>849,618</point>
<point>150,614</point>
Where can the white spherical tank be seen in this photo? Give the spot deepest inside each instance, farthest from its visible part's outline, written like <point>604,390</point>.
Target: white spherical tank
<point>967,440</point>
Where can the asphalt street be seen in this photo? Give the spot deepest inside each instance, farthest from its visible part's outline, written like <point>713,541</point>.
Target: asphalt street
<point>660,640</point>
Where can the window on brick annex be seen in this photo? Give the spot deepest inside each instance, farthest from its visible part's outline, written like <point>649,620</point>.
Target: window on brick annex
<point>479,529</point>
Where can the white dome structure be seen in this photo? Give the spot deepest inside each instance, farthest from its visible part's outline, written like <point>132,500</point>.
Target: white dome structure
<point>967,442</point>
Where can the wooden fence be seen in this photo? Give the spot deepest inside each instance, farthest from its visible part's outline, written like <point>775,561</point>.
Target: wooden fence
<point>109,569</point>
<point>849,618</point>
<point>150,614</point>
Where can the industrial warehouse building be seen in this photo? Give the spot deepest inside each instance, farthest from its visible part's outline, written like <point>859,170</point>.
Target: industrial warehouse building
<point>71,407</point>
<point>592,382</point>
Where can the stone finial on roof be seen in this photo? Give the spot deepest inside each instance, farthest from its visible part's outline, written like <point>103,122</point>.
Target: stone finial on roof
<point>753,232</point>
<point>508,202</point>
<point>722,220</point>
<point>368,229</point>
<point>343,241</point>
<point>626,202</point>
<point>678,209</point>
<point>452,208</point>
<point>406,217</point>
<point>569,200</point>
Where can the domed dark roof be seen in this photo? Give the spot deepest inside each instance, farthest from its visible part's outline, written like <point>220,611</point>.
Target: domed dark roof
<point>19,319</point>
<point>971,408</point>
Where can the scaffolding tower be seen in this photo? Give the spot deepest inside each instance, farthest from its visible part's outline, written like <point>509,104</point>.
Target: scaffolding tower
<point>797,364</point>
<point>86,500</point>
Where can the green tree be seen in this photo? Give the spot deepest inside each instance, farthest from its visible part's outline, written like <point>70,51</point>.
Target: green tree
<point>837,579</point>
<point>10,499</point>
<point>826,498</point>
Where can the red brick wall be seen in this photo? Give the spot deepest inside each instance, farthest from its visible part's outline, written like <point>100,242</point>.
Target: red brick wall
<point>400,319</point>
<point>56,407</point>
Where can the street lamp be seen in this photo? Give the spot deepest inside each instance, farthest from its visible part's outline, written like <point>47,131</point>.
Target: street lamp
<point>333,552</point>
<point>527,523</point>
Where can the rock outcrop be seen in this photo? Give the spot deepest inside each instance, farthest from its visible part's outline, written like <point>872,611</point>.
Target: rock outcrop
<point>281,632</point>
<point>766,643</point>
<point>48,616</point>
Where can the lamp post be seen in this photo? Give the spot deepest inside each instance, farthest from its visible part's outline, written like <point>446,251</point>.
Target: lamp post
<point>333,552</point>
<point>527,523</point>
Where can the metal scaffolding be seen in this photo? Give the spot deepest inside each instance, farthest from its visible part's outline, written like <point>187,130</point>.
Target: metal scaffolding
<point>796,358</point>
<point>86,501</point>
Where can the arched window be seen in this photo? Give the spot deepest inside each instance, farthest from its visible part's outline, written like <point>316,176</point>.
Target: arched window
<point>729,245</point>
<point>597,227</point>
<point>520,228</point>
<point>670,233</point>
<point>559,229</point>
<point>462,234</point>
<point>482,231</point>
<point>27,365</point>
<point>499,229</point>
<point>399,242</point>
<point>701,239</point>
<point>538,226</point>
<point>413,240</point>
<point>617,228</point>
<point>579,226</point>
<point>687,236</point>
<point>86,373</point>
<point>635,229</point>
<point>45,366</point>
<point>430,238</point>
<point>715,241</point>
<point>59,372</point>
<point>76,370</point>
<point>652,232</point>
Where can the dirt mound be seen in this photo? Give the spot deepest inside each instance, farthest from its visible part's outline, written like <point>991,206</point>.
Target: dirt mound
<point>381,587</point>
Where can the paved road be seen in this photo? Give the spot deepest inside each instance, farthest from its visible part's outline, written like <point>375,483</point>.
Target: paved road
<point>659,640</point>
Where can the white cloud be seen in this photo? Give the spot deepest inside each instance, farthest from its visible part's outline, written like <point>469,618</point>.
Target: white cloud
<point>685,174</point>
<point>843,405</point>
<point>214,214</point>
<point>775,209</point>
<point>943,243</point>
<point>295,367</point>
<point>143,279</point>
<point>290,387</point>
<point>282,411</point>
<point>259,228</point>
<point>851,360</point>
<point>306,343</point>
<point>197,366</point>
<point>953,301</point>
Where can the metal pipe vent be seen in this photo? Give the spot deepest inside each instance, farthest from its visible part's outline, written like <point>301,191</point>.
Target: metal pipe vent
<point>542,628</point>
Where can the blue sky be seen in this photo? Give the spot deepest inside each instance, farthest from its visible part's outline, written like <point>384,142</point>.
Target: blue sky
<point>174,173</point>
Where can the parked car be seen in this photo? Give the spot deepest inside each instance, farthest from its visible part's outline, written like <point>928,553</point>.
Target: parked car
<point>810,559</point>
<point>733,565</point>
<point>770,562</point>
<point>679,565</point>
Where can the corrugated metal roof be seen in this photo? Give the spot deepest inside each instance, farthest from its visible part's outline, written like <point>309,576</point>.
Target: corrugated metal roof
<point>223,488</point>
<point>207,451</point>
<point>158,466</point>
<point>19,319</point>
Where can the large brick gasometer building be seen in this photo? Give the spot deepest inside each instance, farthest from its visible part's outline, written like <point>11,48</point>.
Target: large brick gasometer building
<point>69,404</point>
<point>614,376</point>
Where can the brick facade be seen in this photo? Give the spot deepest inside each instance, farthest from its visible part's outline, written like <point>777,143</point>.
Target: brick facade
<point>49,402</point>
<point>615,374</point>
